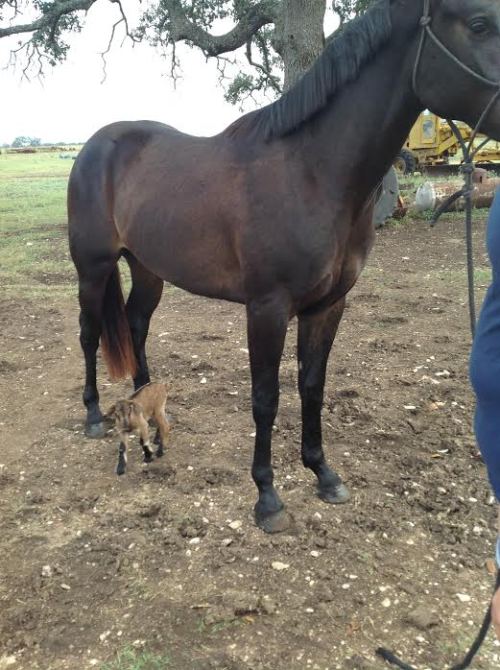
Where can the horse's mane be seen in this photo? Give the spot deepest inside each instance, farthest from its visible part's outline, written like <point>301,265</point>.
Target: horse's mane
<point>339,64</point>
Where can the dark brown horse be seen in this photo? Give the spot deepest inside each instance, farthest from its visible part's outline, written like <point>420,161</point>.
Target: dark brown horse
<point>276,211</point>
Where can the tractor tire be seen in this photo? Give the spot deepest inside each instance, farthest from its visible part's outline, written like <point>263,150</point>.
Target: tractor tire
<point>405,162</point>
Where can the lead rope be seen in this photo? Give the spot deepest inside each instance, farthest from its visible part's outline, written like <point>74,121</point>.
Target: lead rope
<point>467,169</point>
<point>469,152</point>
<point>483,632</point>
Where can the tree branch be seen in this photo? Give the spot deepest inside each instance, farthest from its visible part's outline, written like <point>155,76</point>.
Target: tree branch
<point>104,53</point>
<point>265,68</point>
<point>252,20</point>
<point>49,18</point>
<point>123,19</point>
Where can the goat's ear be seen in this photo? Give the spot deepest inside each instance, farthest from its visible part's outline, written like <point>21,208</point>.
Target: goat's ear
<point>111,412</point>
<point>135,407</point>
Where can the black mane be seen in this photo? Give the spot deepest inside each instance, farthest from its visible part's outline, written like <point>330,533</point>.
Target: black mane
<point>339,64</point>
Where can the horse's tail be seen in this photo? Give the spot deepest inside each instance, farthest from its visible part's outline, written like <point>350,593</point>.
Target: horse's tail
<point>116,339</point>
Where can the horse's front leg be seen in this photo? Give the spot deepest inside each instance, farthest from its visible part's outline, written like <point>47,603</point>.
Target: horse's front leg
<point>267,321</point>
<point>315,339</point>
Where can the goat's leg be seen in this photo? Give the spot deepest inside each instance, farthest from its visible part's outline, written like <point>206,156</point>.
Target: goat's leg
<point>162,431</point>
<point>122,455</point>
<point>144,439</point>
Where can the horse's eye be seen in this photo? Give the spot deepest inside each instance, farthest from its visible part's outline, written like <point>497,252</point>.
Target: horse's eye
<point>479,26</point>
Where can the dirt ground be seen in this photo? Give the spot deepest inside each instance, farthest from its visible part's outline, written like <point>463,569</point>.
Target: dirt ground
<point>167,559</point>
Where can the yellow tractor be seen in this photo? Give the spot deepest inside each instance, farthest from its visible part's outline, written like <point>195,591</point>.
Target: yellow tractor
<point>432,143</point>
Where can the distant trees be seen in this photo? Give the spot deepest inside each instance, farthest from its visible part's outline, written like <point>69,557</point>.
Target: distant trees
<point>26,141</point>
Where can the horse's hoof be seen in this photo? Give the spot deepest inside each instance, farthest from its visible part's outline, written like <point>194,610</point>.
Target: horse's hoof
<point>159,453</point>
<point>95,431</point>
<point>274,523</point>
<point>335,495</point>
<point>120,470</point>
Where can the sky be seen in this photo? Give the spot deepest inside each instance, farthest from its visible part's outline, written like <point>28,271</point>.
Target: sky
<point>70,103</point>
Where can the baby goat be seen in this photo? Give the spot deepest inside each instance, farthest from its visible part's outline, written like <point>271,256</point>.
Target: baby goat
<point>133,415</point>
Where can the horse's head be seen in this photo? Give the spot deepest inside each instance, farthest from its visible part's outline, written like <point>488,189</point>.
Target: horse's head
<point>457,61</point>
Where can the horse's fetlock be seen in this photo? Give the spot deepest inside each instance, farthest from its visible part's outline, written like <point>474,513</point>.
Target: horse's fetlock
<point>262,476</point>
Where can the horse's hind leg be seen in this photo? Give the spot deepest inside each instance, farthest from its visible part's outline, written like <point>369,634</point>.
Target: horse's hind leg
<point>315,339</point>
<point>92,287</point>
<point>142,302</point>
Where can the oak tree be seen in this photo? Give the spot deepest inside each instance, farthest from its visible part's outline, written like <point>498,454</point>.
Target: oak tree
<point>279,39</point>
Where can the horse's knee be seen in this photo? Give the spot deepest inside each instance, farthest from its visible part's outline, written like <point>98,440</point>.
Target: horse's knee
<point>311,393</point>
<point>265,408</point>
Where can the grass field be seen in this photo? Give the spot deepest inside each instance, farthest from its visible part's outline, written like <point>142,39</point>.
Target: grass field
<point>34,254</point>
<point>34,257</point>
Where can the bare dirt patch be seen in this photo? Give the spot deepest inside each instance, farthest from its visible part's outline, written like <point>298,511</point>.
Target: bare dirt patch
<point>168,559</point>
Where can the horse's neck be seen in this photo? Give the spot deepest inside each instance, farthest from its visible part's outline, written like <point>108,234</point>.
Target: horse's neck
<point>357,137</point>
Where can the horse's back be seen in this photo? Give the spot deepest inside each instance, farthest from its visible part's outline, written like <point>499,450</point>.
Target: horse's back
<point>113,141</point>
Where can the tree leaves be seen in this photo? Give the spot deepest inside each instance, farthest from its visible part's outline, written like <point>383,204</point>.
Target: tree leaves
<point>255,25</point>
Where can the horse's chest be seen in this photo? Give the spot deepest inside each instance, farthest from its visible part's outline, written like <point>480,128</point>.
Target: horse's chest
<point>337,278</point>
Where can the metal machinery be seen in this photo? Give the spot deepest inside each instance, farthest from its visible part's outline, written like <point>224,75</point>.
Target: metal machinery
<point>431,143</point>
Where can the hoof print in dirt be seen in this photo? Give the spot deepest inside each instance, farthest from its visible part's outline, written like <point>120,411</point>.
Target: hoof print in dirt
<point>149,511</point>
<point>220,476</point>
<point>192,527</point>
<point>422,619</point>
<point>357,663</point>
<point>167,474</point>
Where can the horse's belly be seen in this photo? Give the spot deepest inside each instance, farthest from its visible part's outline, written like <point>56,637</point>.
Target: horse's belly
<point>196,261</point>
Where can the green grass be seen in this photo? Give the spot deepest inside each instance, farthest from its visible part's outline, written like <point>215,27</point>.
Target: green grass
<point>215,628</point>
<point>34,256</point>
<point>32,165</point>
<point>131,659</point>
<point>482,276</point>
